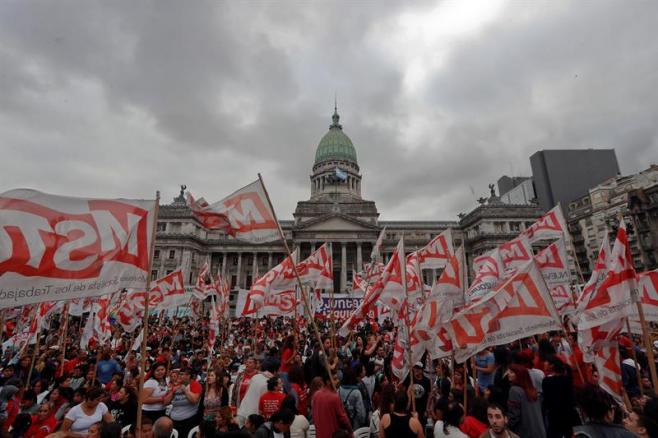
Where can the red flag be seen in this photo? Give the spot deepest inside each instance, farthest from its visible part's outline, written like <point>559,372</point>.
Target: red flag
<point>489,272</point>
<point>245,214</point>
<point>437,253</point>
<point>648,287</point>
<point>55,248</point>
<point>550,226</point>
<point>617,293</point>
<point>608,363</point>
<point>515,253</point>
<point>317,270</point>
<point>281,278</point>
<point>520,307</point>
<point>553,264</point>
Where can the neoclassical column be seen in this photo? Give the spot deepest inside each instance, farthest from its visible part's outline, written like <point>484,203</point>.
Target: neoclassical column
<point>313,246</point>
<point>343,267</point>
<point>359,257</point>
<point>237,278</point>
<point>269,260</point>
<point>224,257</point>
<point>254,267</point>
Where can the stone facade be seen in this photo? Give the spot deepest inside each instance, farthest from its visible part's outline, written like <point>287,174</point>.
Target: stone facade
<point>335,213</point>
<point>597,214</point>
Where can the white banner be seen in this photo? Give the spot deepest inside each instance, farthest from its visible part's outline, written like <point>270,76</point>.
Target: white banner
<point>59,248</point>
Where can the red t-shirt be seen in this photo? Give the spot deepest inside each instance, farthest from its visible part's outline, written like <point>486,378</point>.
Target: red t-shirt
<point>41,429</point>
<point>269,403</point>
<point>245,385</point>
<point>285,357</point>
<point>472,427</point>
<point>302,394</point>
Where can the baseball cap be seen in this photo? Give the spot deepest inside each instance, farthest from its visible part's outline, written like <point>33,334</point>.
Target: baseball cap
<point>418,365</point>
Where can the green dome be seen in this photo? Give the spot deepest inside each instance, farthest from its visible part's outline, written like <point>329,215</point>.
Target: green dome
<point>335,145</point>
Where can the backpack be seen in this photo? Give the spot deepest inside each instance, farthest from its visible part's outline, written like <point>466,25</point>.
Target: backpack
<point>350,408</point>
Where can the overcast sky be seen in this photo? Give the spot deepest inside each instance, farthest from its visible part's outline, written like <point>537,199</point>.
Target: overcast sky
<point>120,99</point>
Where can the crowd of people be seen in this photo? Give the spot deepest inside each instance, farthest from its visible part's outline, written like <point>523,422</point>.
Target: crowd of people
<point>275,377</point>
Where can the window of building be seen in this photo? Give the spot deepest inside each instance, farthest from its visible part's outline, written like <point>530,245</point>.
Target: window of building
<point>156,254</point>
<point>169,271</point>
<point>154,274</point>
<point>172,254</point>
<point>499,227</point>
<point>515,226</point>
<point>162,226</point>
<point>263,261</point>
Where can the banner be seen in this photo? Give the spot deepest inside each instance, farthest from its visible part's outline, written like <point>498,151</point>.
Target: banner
<point>550,226</point>
<point>343,306</point>
<point>552,263</point>
<point>244,214</point>
<point>519,308</point>
<point>437,253</point>
<point>489,270</point>
<point>280,303</point>
<point>56,248</point>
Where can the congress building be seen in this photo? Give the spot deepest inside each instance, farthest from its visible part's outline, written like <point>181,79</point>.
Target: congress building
<point>335,213</point>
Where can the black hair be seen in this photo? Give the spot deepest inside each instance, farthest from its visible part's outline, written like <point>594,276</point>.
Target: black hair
<point>498,406</point>
<point>594,402</point>
<point>256,420</point>
<point>290,404</point>
<point>453,416</point>
<point>272,382</point>
<point>110,430</point>
<point>92,394</point>
<point>349,376</point>
<point>401,401</point>
<point>286,416</point>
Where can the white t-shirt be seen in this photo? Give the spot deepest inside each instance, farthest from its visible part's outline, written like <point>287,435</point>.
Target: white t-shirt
<point>81,422</point>
<point>257,387</point>
<point>299,427</point>
<point>159,390</point>
<point>453,432</point>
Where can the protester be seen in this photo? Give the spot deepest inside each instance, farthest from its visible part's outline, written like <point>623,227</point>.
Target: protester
<point>81,417</point>
<point>523,406</point>
<point>497,419</point>
<point>328,412</point>
<point>400,423</point>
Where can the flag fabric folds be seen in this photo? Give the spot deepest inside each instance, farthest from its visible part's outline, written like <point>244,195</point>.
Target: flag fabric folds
<point>244,214</point>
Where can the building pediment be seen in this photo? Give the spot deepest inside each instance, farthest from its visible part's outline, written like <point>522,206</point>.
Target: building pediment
<point>336,223</point>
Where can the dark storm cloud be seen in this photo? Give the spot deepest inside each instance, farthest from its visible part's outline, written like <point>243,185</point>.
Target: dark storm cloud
<point>124,98</point>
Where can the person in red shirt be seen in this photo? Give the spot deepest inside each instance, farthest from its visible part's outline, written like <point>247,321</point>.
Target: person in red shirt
<point>328,412</point>
<point>299,388</point>
<point>43,423</point>
<point>243,380</point>
<point>271,400</point>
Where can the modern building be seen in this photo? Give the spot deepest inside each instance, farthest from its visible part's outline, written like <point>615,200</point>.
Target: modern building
<point>562,176</point>
<point>335,212</point>
<point>591,217</point>
<point>516,190</point>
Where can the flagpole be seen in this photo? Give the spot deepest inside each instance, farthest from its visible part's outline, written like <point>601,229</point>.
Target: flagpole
<point>34,353</point>
<point>64,336</point>
<point>299,283</point>
<point>637,367</point>
<point>145,318</point>
<point>403,276</point>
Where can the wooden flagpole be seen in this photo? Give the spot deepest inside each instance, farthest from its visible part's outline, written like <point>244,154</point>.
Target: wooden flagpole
<point>648,346</point>
<point>34,354</point>
<point>299,283</point>
<point>637,366</point>
<point>403,275</point>
<point>64,337</point>
<point>145,318</point>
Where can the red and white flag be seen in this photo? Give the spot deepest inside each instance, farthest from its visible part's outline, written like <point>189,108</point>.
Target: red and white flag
<point>553,264</point>
<point>393,297</point>
<point>203,286</point>
<point>245,214</point>
<point>489,272</point>
<point>550,226</point>
<point>358,282</point>
<point>56,248</point>
<point>168,291</point>
<point>449,288</point>
<point>520,307</point>
<point>437,253</point>
<point>281,278</point>
<point>98,324</point>
<point>648,288</point>
<point>608,363</point>
<point>517,252</point>
<point>317,270</point>
<point>616,295</point>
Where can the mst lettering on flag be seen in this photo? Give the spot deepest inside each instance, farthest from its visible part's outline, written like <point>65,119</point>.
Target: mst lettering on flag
<point>515,253</point>
<point>520,307</point>
<point>489,271</point>
<point>436,253</point>
<point>614,297</point>
<point>56,247</point>
<point>550,226</point>
<point>245,214</point>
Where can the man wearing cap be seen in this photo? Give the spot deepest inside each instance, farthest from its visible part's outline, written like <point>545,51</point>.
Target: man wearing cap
<point>421,391</point>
